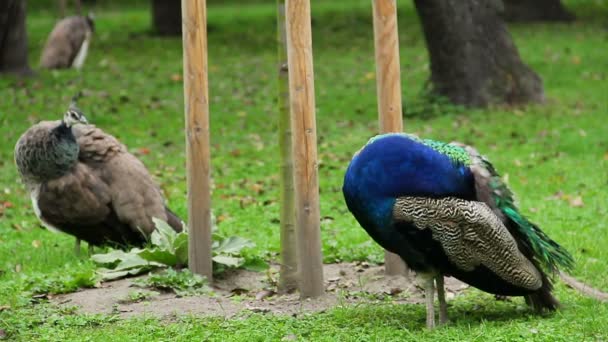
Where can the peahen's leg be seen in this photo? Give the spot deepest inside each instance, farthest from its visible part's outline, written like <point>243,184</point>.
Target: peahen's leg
<point>77,247</point>
<point>443,306</point>
<point>429,293</point>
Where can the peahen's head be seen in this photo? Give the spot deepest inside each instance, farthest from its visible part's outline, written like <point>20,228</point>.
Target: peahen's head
<point>74,116</point>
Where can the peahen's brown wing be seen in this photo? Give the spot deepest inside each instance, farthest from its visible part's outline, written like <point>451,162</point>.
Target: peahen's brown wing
<point>134,196</point>
<point>80,204</point>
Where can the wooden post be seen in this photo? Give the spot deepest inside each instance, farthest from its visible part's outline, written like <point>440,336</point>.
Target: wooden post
<point>388,85</point>
<point>196,99</point>
<point>289,264</point>
<point>302,105</point>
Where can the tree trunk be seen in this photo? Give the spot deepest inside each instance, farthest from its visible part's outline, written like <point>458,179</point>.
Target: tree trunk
<point>536,10</point>
<point>13,38</point>
<point>167,17</point>
<point>474,61</point>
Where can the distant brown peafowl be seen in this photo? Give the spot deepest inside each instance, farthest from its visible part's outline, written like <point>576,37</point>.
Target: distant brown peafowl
<point>444,209</point>
<point>68,44</point>
<point>84,182</point>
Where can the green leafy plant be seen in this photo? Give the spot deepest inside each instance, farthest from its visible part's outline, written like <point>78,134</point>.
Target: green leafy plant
<point>138,296</point>
<point>168,248</point>
<point>63,282</point>
<point>182,282</point>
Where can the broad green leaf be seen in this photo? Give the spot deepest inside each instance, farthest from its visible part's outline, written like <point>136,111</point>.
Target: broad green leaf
<point>157,255</point>
<point>255,264</point>
<point>163,236</point>
<point>114,256</point>
<point>134,260</point>
<point>107,274</point>
<point>228,260</point>
<point>181,248</point>
<point>233,245</point>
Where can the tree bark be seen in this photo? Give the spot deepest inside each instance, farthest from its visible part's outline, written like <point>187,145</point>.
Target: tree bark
<point>13,38</point>
<point>167,17</point>
<point>474,61</point>
<point>536,10</point>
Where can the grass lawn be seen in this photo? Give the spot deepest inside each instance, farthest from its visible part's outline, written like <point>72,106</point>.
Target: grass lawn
<point>555,156</point>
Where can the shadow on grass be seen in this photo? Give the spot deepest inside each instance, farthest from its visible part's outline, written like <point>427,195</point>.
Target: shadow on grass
<point>463,313</point>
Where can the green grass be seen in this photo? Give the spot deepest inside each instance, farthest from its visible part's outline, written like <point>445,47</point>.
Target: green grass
<point>132,90</point>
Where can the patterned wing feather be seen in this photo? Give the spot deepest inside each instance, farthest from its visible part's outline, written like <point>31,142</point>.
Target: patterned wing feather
<point>471,236</point>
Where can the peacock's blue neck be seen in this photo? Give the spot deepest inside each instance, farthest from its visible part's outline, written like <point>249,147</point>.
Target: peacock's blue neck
<point>396,166</point>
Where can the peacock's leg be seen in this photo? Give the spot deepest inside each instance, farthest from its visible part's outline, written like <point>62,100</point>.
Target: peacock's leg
<point>429,293</point>
<point>443,306</point>
<point>77,247</point>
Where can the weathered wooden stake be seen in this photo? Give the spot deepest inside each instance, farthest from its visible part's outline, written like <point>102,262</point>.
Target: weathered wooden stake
<point>196,99</point>
<point>289,264</point>
<point>388,85</point>
<point>302,105</point>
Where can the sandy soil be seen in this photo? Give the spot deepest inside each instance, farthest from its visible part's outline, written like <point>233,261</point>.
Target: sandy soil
<point>245,291</point>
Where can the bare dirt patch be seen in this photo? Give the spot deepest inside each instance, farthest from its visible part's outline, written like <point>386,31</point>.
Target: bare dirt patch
<point>241,291</point>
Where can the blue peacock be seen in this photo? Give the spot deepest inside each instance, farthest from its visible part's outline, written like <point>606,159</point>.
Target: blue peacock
<point>443,208</point>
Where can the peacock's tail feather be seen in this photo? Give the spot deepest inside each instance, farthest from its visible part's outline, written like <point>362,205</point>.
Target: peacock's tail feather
<point>547,252</point>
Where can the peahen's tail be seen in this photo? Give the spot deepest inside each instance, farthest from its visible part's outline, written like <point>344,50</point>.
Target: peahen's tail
<point>173,220</point>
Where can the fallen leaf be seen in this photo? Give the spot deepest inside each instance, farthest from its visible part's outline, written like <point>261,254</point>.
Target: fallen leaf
<point>576,202</point>
<point>606,156</point>
<point>395,291</point>
<point>238,291</point>
<point>290,337</point>
<point>264,294</point>
<point>4,307</point>
<point>144,150</point>
<point>18,268</point>
<point>36,243</point>
<point>576,60</point>
<point>258,309</point>
<point>517,163</point>
<point>176,77</point>
<point>220,218</point>
<point>558,195</point>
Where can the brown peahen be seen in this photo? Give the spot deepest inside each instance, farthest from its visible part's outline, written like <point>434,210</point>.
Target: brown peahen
<point>83,182</point>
